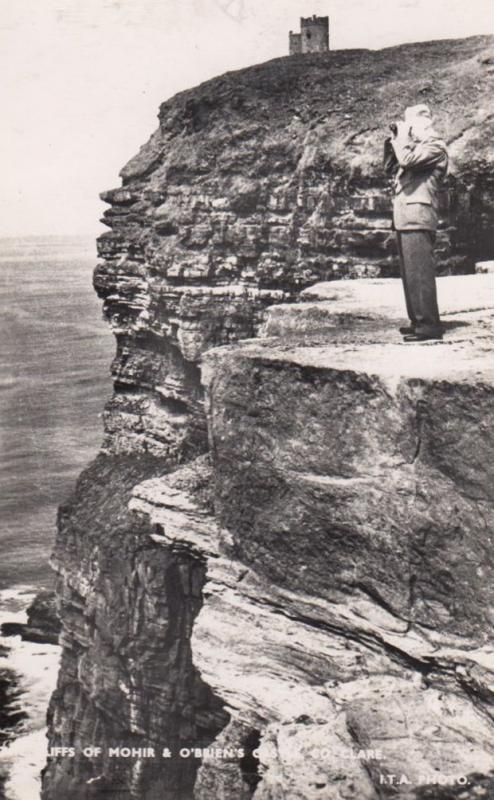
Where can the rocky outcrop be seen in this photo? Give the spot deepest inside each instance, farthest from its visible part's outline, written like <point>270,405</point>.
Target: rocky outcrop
<point>263,182</point>
<point>351,546</point>
<point>281,559</point>
<point>337,629</point>
<point>126,676</point>
<point>43,623</point>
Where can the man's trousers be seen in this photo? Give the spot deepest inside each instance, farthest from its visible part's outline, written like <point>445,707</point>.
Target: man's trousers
<point>417,270</point>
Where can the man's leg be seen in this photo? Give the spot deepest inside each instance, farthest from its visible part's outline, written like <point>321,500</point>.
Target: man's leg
<point>411,315</point>
<point>420,280</point>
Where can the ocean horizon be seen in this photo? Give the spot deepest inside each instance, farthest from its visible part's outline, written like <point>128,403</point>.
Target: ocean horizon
<point>56,352</point>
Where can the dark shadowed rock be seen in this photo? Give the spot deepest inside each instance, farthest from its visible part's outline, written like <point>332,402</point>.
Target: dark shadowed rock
<point>43,622</point>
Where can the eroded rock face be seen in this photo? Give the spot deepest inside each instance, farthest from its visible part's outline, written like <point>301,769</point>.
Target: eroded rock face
<point>341,696</point>
<point>347,612</point>
<point>126,678</point>
<point>258,184</point>
<point>344,466</point>
<point>327,568</point>
<point>320,582</point>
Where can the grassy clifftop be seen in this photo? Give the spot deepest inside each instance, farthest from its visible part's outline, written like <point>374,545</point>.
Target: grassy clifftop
<point>342,101</point>
<point>272,175</point>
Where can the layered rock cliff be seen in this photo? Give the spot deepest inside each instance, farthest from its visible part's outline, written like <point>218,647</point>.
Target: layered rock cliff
<point>291,574</point>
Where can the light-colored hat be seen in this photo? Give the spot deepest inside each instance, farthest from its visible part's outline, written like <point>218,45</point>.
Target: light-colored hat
<point>413,113</point>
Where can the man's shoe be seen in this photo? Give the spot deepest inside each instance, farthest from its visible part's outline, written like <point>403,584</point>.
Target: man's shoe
<point>407,329</point>
<point>422,337</point>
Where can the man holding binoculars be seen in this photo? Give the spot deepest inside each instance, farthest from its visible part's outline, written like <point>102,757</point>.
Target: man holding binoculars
<point>417,159</point>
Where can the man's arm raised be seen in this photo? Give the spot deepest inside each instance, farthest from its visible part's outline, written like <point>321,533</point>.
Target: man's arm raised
<point>419,155</point>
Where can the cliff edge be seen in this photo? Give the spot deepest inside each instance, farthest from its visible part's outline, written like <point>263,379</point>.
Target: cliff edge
<point>281,560</point>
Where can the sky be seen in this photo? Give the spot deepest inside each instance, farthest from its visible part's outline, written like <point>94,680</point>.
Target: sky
<point>83,80</point>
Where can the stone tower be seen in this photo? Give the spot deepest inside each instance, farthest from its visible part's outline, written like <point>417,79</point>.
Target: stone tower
<point>313,36</point>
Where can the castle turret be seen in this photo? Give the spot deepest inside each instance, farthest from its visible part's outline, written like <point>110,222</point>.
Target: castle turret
<point>295,43</point>
<point>313,36</point>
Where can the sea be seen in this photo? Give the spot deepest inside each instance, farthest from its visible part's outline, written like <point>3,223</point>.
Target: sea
<point>55,356</point>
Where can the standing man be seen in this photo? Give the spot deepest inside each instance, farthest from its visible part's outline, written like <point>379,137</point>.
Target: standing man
<point>418,160</point>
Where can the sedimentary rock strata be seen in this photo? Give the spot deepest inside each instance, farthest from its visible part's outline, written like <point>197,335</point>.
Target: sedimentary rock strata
<point>350,551</point>
<point>126,678</point>
<point>284,548</point>
<point>258,184</point>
